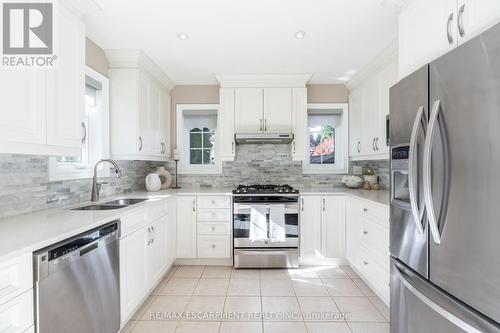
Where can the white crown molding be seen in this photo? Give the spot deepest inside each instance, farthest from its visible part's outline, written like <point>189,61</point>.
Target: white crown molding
<point>140,60</point>
<point>81,7</point>
<point>263,80</point>
<point>390,53</point>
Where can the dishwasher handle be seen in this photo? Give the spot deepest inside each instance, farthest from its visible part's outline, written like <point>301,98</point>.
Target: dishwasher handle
<point>56,257</point>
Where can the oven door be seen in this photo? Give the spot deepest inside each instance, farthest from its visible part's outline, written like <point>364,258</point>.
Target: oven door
<point>241,226</point>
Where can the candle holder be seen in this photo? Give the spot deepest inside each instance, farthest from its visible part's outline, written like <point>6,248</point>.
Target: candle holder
<point>176,176</point>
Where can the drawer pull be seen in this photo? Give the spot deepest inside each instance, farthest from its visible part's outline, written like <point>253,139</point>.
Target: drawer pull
<point>365,232</point>
<point>213,214</point>
<point>365,209</point>
<point>213,202</point>
<point>213,246</point>
<point>365,263</point>
<point>213,228</point>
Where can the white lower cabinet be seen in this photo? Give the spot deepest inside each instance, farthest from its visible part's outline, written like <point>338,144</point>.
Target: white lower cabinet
<point>17,314</point>
<point>133,271</point>
<point>186,227</point>
<point>214,246</point>
<point>367,244</point>
<point>144,256</point>
<point>322,229</point>
<point>214,227</point>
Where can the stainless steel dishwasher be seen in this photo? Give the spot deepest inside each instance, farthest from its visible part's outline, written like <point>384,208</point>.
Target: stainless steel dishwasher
<point>77,283</point>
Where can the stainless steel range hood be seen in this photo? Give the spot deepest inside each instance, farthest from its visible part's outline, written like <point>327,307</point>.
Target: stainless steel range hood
<point>262,138</point>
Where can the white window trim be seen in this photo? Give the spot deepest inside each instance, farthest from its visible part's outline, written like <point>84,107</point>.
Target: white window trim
<point>214,169</point>
<point>60,171</point>
<point>335,168</point>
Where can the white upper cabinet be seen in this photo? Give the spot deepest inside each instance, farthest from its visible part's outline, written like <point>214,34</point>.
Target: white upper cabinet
<point>299,124</point>
<point>226,124</point>
<point>66,84</point>
<point>140,107</point>
<point>430,28</point>
<point>249,110</point>
<point>42,110</point>
<point>475,16</point>
<point>427,29</point>
<point>369,108</point>
<point>277,110</point>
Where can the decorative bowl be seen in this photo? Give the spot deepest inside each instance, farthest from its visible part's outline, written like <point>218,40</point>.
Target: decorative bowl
<point>352,181</point>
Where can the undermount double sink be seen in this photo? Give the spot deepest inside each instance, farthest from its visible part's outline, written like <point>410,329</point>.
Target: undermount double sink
<point>110,205</point>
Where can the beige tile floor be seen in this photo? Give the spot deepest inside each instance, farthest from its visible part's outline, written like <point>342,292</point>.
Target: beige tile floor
<point>304,300</point>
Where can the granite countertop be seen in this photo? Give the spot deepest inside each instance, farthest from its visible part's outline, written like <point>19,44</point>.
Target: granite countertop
<point>30,232</point>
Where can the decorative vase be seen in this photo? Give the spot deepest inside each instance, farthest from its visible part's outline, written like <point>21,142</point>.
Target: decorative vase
<point>165,177</point>
<point>153,182</point>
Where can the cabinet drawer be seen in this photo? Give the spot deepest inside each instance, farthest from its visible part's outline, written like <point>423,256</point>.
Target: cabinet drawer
<point>374,272</point>
<point>214,228</point>
<point>377,213</point>
<point>375,237</point>
<point>16,277</point>
<point>214,215</point>
<point>17,314</point>
<point>213,246</point>
<point>133,222</point>
<point>220,201</point>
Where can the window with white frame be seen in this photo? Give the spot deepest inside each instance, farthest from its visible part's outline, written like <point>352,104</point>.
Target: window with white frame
<point>197,138</point>
<point>327,150</point>
<point>95,144</point>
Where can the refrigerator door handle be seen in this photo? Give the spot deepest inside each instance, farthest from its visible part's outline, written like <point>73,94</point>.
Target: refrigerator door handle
<point>436,108</point>
<point>435,307</point>
<point>417,214</point>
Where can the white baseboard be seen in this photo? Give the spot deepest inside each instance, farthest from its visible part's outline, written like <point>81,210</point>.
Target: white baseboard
<point>204,261</point>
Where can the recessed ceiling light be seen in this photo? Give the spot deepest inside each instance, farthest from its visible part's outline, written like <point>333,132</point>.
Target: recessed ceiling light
<point>183,36</point>
<point>300,34</point>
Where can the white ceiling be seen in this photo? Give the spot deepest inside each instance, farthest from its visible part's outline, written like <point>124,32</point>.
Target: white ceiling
<point>248,36</point>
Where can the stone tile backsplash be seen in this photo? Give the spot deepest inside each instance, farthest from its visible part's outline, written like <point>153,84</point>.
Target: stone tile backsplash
<point>25,187</point>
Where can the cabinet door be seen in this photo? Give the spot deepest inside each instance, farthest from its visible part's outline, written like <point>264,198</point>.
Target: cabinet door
<point>476,16</point>
<point>277,110</point>
<point>310,227</point>
<point>423,32</point>
<point>249,110</point>
<point>165,122</point>
<point>143,115</point>
<point>353,232</point>
<point>386,79</point>
<point>66,83</point>
<point>299,124</point>
<point>22,105</point>
<point>157,255</point>
<point>155,138</point>
<point>186,227</point>
<point>134,283</point>
<point>371,114</point>
<point>356,114</point>
<point>333,227</point>
<point>226,124</point>
<point>171,231</point>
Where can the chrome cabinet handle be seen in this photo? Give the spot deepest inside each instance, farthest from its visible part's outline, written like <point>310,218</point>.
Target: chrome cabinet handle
<point>149,236</point>
<point>260,127</point>
<point>194,205</point>
<point>365,263</point>
<point>265,125</point>
<point>461,29</point>
<point>154,235</point>
<point>84,134</point>
<point>213,228</point>
<point>365,209</point>
<point>376,143</point>
<point>412,184</point>
<point>373,144</point>
<point>302,204</point>
<point>294,147</point>
<point>232,147</point>
<point>140,146</point>
<point>358,147</point>
<point>365,232</point>
<point>213,246</point>
<point>431,215</point>
<point>324,204</point>
<point>448,27</point>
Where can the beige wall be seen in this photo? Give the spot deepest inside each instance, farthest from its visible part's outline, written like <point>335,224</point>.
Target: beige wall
<point>327,93</point>
<point>95,57</point>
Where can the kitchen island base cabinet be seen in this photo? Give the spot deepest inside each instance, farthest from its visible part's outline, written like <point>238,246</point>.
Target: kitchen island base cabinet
<point>322,230</point>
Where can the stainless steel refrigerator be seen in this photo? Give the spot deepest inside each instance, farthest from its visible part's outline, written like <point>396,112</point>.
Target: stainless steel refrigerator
<point>445,193</point>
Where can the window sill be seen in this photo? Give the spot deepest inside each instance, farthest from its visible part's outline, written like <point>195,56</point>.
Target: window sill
<point>310,170</point>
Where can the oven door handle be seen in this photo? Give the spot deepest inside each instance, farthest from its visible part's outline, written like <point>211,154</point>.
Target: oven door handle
<point>266,250</point>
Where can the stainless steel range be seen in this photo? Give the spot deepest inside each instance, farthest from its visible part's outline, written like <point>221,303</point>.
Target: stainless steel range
<point>266,226</point>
